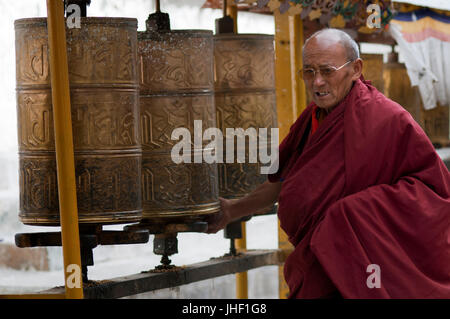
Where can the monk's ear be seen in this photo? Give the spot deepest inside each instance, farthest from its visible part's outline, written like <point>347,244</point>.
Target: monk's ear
<point>357,66</point>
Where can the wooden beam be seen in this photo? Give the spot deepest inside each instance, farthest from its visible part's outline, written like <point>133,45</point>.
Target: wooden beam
<point>34,296</point>
<point>151,281</point>
<point>289,97</point>
<point>296,44</point>
<point>309,26</point>
<point>285,109</point>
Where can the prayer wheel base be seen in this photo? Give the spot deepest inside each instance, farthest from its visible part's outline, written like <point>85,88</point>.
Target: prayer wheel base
<point>90,237</point>
<point>169,227</point>
<point>53,220</point>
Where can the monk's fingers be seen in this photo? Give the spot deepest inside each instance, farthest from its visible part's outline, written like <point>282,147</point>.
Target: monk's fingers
<point>213,228</point>
<point>214,222</point>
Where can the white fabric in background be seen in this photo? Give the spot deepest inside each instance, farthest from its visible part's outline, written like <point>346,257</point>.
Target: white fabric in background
<point>436,4</point>
<point>428,66</point>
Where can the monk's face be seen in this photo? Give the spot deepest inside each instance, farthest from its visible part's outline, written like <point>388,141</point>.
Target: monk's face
<point>324,52</point>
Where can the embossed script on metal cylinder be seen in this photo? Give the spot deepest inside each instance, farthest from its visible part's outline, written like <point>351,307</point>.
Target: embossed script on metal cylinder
<point>245,98</point>
<point>104,93</point>
<point>177,88</point>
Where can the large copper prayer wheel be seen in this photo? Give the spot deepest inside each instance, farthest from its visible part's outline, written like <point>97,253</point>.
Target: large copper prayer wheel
<point>104,93</point>
<point>176,91</point>
<point>245,98</point>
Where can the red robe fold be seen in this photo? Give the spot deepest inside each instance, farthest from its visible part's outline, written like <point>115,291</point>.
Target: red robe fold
<point>367,188</point>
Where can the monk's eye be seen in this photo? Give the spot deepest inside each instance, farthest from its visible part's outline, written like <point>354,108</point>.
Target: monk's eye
<point>308,73</point>
<point>327,71</point>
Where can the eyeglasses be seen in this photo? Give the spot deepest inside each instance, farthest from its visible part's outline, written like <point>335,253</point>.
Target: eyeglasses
<point>326,71</point>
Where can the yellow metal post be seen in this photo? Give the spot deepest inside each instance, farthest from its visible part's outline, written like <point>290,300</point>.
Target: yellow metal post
<point>290,94</point>
<point>64,150</point>
<point>242,278</point>
<point>241,244</point>
<point>232,11</point>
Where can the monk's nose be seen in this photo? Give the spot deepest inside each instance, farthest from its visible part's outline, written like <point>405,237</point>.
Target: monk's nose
<point>318,80</point>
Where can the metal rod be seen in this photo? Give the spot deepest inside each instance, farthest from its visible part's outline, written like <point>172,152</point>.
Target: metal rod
<point>64,148</point>
<point>232,248</point>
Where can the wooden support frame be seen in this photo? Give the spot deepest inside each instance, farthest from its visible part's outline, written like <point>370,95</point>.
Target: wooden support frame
<point>148,281</point>
<point>290,94</point>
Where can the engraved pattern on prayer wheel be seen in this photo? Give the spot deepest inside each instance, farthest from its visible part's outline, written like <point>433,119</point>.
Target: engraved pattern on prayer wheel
<point>245,98</point>
<point>177,88</point>
<point>104,93</point>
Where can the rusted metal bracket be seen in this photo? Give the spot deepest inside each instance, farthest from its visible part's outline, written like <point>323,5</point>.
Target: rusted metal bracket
<point>89,239</point>
<point>105,237</point>
<point>165,242</point>
<point>150,281</point>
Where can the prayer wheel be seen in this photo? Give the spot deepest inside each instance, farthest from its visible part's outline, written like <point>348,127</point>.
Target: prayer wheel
<point>104,94</point>
<point>176,92</point>
<point>245,99</point>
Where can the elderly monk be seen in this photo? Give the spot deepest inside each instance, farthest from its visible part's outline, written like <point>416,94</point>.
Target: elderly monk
<point>362,194</point>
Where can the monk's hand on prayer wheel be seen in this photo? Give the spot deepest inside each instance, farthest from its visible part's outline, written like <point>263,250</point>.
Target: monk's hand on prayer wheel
<point>256,201</point>
<point>219,220</point>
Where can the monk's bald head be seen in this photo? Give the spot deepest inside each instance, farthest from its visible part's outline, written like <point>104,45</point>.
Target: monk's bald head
<point>336,37</point>
<point>331,59</point>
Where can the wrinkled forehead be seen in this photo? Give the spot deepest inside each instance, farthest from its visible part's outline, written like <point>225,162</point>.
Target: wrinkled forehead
<point>324,50</point>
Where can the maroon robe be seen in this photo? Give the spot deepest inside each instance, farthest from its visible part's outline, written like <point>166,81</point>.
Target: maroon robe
<point>366,188</point>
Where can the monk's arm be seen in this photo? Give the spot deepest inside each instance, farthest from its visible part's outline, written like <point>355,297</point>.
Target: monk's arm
<point>260,198</point>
